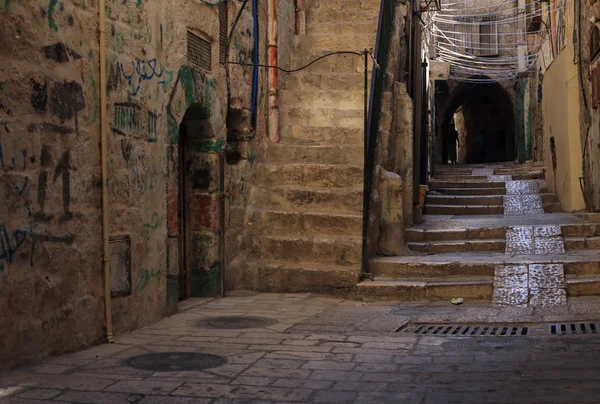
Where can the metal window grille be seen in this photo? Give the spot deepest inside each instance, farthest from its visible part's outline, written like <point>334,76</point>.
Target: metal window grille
<point>488,36</point>
<point>222,31</point>
<point>199,51</point>
<point>476,36</point>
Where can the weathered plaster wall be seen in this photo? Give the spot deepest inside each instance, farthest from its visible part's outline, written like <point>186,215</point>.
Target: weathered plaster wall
<point>50,233</point>
<point>561,122</point>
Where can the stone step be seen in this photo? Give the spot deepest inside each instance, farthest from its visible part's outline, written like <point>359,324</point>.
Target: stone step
<point>515,177</point>
<point>476,288</point>
<point>291,277</point>
<point>479,264</point>
<point>357,41</point>
<point>322,99</point>
<point>460,177</point>
<point>327,250</point>
<point>582,243</point>
<point>484,233</point>
<point>321,154</point>
<point>307,135</point>
<point>306,82</point>
<point>464,209</point>
<point>435,184</point>
<point>289,223</point>
<point>552,207</point>
<point>481,200</point>
<point>311,175</point>
<point>307,199</point>
<point>582,285</point>
<point>581,230</point>
<point>468,191</point>
<point>323,117</point>
<point>348,16</point>
<point>457,246</point>
<point>548,199</point>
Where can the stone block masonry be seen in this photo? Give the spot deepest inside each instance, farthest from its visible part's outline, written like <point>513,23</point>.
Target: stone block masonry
<point>51,280</point>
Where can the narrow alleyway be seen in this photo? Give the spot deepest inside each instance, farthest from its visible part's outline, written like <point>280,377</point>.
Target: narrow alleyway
<point>489,232</point>
<point>328,350</point>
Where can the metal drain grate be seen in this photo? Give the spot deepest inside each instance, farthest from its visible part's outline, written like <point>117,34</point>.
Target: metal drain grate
<point>488,343</point>
<point>199,51</point>
<point>574,328</point>
<point>176,361</point>
<point>454,330</point>
<point>236,322</point>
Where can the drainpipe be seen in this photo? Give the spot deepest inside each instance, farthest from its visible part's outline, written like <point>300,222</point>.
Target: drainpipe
<point>104,164</point>
<point>300,18</point>
<point>272,82</point>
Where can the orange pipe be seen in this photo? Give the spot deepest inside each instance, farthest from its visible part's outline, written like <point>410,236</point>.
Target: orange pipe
<point>273,92</point>
<point>300,18</point>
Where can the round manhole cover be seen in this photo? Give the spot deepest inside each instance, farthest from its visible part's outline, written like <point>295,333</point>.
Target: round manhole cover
<point>176,361</point>
<point>480,343</point>
<point>236,322</point>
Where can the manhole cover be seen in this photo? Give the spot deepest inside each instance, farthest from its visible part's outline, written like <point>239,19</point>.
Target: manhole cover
<point>477,343</point>
<point>176,361</point>
<point>235,322</point>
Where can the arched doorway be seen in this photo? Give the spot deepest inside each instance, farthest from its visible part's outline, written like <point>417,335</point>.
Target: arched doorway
<point>195,174</point>
<point>481,117</point>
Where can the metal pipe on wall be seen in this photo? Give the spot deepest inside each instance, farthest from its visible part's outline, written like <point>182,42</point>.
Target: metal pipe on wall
<point>273,94</point>
<point>104,169</point>
<point>300,18</point>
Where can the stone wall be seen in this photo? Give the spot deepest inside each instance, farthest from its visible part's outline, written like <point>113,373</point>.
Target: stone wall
<point>392,196</point>
<point>51,280</point>
<point>50,228</point>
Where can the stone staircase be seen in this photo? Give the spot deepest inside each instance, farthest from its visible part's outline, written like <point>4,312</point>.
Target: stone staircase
<point>478,242</point>
<point>304,219</point>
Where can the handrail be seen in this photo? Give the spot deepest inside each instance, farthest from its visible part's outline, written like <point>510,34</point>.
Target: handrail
<point>387,12</point>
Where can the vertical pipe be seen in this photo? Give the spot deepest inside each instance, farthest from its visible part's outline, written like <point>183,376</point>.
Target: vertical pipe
<point>418,95</point>
<point>272,81</point>
<point>367,179</point>
<point>255,72</point>
<point>104,165</point>
<point>222,196</point>
<point>300,17</point>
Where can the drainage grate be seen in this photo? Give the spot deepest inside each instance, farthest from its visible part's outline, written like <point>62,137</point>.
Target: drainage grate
<point>574,328</point>
<point>176,361</point>
<point>199,51</point>
<point>454,330</point>
<point>488,343</point>
<point>235,322</point>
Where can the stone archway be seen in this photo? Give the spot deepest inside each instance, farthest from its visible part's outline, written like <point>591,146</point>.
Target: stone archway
<point>484,116</point>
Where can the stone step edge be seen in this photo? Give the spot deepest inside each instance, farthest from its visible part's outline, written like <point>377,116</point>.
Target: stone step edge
<point>476,288</point>
<point>254,209</point>
<point>456,242</point>
<point>291,277</point>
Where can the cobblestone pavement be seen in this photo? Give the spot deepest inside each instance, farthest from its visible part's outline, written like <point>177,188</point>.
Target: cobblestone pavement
<point>329,350</point>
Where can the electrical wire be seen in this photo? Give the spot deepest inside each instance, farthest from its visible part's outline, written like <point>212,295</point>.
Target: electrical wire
<point>309,64</point>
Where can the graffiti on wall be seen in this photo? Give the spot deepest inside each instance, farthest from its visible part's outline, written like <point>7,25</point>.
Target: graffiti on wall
<point>140,71</point>
<point>146,276</point>
<point>12,241</point>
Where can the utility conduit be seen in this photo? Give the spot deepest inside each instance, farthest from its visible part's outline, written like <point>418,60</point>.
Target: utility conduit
<point>104,168</point>
<point>272,78</point>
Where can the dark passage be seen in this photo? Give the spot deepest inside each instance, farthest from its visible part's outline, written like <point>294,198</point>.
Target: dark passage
<point>479,125</point>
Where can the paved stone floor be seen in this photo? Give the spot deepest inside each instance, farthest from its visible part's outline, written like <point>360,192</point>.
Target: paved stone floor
<point>330,350</point>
